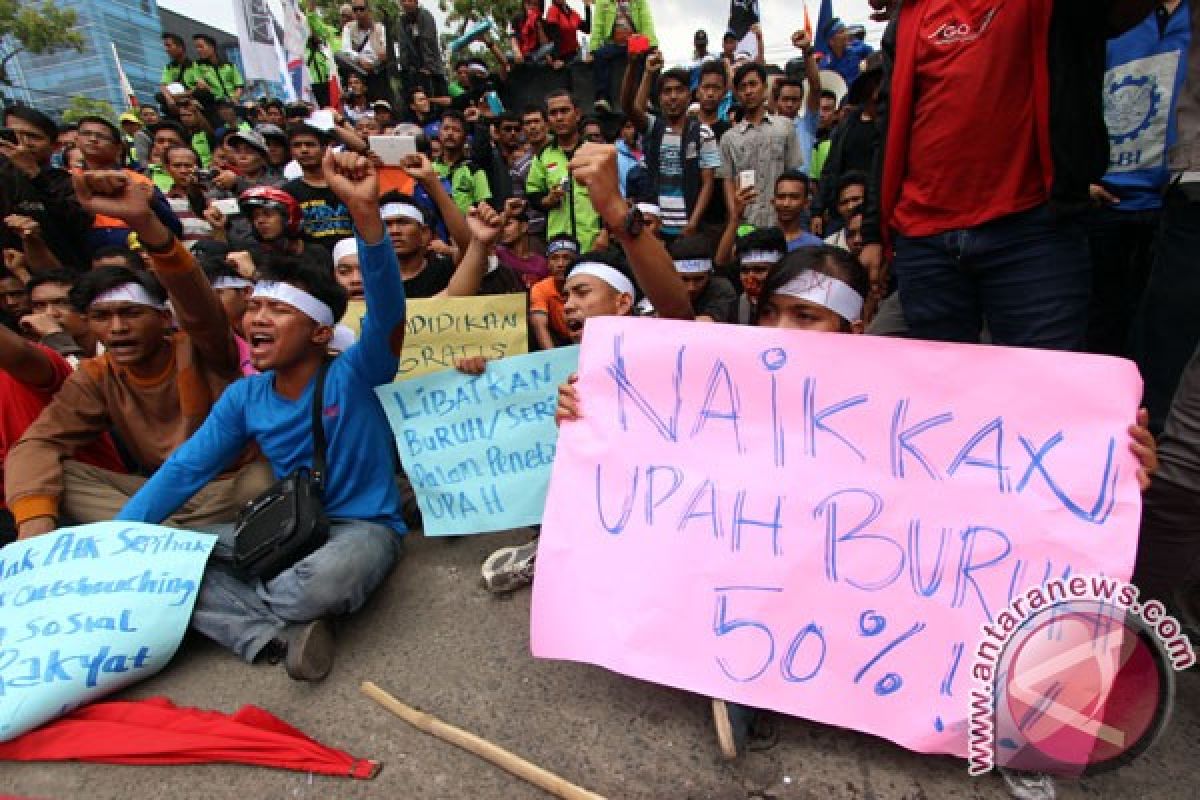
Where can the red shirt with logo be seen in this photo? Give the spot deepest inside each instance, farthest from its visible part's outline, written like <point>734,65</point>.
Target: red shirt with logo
<point>974,151</point>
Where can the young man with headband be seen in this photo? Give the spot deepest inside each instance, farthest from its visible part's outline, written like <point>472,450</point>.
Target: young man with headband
<point>596,287</point>
<point>428,273</point>
<point>346,270</point>
<point>713,297</point>
<point>290,322</point>
<point>234,292</point>
<point>151,387</point>
<point>546,317</point>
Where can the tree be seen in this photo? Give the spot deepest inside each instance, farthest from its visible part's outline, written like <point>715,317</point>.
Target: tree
<point>81,106</point>
<point>26,26</point>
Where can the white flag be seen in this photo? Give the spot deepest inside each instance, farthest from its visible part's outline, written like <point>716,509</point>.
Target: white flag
<point>295,38</point>
<point>256,38</point>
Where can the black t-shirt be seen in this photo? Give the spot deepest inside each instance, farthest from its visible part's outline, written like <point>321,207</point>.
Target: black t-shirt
<point>326,219</point>
<point>431,280</point>
<point>718,300</point>
<point>502,280</point>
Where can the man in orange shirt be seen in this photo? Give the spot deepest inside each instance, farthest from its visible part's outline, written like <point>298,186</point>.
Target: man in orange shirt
<point>546,317</point>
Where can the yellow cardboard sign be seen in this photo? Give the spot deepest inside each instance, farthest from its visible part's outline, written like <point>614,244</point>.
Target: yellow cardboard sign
<point>440,329</point>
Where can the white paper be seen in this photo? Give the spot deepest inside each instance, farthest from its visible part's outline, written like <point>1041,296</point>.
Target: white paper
<point>393,149</point>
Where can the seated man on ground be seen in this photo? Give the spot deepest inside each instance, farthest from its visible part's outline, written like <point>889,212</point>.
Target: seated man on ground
<point>151,387</point>
<point>290,322</point>
<point>713,298</point>
<point>547,319</point>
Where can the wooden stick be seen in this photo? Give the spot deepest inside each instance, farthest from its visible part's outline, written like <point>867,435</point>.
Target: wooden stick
<point>543,779</point>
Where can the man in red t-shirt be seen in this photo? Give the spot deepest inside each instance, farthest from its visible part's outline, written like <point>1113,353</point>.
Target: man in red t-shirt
<point>994,131</point>
<point>30,374</point>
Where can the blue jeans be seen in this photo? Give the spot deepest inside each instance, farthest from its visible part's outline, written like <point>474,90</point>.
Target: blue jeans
<point>336,579</point>
<point>1027,275</point>
<point>602,59</point>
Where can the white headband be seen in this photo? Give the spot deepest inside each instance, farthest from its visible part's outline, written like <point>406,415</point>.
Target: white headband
<point>407,210</point>
<point>297,298</point>
<point>649,208</point>
<point>230,282</point>
<point>605,273</point>
<point>343,338</point>
<point>346,247</point>
<point>128,293</point>
<point>761,257</point>
<point>694,266</point>
<point>825,291</point>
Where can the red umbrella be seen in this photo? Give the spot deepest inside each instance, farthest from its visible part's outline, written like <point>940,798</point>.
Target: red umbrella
<point>156,731</point>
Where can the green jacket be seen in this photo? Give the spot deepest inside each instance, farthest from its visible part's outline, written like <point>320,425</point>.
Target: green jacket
<point>468,186</point>
<point>575,214</point>
<point>604,15</point>
<point>221,80</point>
<point>184,73</point>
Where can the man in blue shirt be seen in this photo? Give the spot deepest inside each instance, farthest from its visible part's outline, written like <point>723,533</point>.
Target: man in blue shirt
<point>844,55</point>
<point>289,323</point>
<point>791,201</point>
<point>1146,67</point>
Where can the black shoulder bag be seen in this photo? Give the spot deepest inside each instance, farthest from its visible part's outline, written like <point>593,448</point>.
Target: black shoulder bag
<point>287,522</point>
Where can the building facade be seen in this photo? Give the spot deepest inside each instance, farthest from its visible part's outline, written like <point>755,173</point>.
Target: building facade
<point>49,81</point>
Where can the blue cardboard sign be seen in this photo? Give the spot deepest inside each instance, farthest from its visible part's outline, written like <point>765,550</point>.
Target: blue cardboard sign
<point>478,449</point>
<point>85,611</point>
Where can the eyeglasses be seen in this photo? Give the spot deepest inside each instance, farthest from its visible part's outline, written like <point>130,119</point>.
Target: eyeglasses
<point>357,9</point>
<point>100,136</point>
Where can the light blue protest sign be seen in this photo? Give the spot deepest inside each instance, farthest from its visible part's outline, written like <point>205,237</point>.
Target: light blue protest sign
<point>85,611</point>
<point>478,449</point>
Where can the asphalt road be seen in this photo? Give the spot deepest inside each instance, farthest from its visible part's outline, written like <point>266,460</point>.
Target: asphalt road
<point>436,640</point>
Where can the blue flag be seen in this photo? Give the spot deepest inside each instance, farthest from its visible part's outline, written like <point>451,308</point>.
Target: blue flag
<point>825,20</point>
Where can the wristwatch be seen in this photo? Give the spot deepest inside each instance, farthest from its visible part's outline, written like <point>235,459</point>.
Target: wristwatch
<point>635,223</point>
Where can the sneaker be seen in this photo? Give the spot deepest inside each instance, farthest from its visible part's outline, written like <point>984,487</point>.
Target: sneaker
<point>602,106</point>
<point>732,722</point>
<point>510,568</point>
<point>1028,785</point>
<point>309,651</point>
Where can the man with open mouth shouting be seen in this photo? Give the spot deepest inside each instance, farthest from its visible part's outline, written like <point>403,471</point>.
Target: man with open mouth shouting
<point>289,322</point>
<point>151,387</point>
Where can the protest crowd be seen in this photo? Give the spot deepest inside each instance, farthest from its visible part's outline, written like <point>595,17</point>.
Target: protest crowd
<point>175,285</point>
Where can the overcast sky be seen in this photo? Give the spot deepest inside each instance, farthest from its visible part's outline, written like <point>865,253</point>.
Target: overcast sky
<point>675,20</point>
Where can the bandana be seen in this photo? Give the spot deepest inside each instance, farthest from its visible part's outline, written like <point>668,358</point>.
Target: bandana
<point>827,292</point>
<point>562,246</point>
<point>231,282</point>
<point>346,247</point>
<point>604,272</point>
<point>129,293</point>
<point>694,266</point>
<point>296,298</point>
<point>761,257</point>
<point>406,210</point>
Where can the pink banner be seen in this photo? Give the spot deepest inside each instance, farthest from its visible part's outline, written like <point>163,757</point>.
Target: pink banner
<point>819,524</point>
